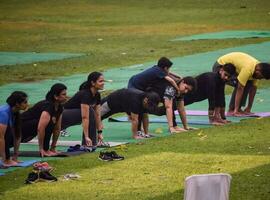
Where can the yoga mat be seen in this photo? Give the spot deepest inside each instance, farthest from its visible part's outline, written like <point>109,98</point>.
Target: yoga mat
<point>160,120</point>
<point>73,143</point>
<point>62,154</point>
<point>205,113</point>
<point>225,35</point>
<point>24,163</point>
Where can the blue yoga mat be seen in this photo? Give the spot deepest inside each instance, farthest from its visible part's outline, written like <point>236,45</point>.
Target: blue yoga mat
<point>24,163</point>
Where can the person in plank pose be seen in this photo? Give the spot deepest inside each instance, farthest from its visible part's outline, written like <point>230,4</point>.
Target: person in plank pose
<point>10,127</point>
<point>173,100</point>
<point>211,86</point>
<point>131,101</point>
<point>44,120</point>
<point>248,71</point>
<point>84,108</point>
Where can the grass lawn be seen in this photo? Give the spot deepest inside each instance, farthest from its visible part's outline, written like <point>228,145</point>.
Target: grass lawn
<point>141,29</point>
<point>155,168</point>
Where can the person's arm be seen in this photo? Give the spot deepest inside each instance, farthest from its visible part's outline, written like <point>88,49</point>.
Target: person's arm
<point>85,123</point>
<point>3,129</point>
<point>42,124</point>
<point>56,133</point>
<point>174,75</point>
<point>238,97</point>
<point>182,113</point>
<point>170,80</point>
<point>98,117</point>
<point>99,124</point>
<point>17,142</point>
<point>168,103</point>
<point>134,124</point>
<point>252,94</point>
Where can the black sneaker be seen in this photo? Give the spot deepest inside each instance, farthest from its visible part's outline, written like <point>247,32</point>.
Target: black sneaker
<point>115,156</point>
<point>32,178</point>
<point>46,176</point>
<point>104,156</point>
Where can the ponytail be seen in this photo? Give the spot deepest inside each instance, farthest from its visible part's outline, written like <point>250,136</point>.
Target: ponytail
<point>55,90</point>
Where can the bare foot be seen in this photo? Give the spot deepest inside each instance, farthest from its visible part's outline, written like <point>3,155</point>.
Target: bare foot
<point>10,163</point>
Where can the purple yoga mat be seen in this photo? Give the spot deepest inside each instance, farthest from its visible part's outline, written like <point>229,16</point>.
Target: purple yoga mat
<point>205,113</point>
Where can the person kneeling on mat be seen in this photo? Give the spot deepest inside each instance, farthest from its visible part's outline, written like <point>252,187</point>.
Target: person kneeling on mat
<point>133,101</point>
<point>10,127</point>
<point>84,108</point>
<point>44,120</point>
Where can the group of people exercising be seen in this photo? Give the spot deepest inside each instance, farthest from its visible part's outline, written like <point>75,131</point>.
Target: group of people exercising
<point>156,91</point>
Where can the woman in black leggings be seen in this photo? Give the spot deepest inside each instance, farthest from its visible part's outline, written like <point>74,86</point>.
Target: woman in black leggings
<point>84,108</point>
<point>44,120</point>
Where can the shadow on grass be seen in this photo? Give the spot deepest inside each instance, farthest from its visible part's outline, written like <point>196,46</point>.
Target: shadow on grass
<point>253,183</point>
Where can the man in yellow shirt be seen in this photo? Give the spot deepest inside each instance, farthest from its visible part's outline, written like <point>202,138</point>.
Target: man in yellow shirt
<point>248,71</point>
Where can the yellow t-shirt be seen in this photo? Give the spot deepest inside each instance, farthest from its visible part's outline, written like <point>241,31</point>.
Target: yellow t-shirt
<point>244,64</point>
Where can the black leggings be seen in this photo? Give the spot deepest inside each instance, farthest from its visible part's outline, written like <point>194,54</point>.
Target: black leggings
<point>73,117</point>
<point>29,131</point>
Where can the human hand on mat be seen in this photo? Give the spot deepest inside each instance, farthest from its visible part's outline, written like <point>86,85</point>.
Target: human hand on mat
<point>176,130</point>
<point>216,123</point>
<point>88,141</point>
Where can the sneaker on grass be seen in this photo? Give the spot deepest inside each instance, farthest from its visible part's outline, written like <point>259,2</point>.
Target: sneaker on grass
<point>33,177</point>
<point>115,156</point>
<point>46,176</point>
<point>105,156</point>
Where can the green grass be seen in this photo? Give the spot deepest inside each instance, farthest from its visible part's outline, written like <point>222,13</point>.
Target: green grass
<point>135,27</point>
<point>156,168</point>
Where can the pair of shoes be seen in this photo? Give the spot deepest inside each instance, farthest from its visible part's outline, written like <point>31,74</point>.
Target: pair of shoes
<point>110,156</point>
<point>64,133</point>
<point>35,176</point>
<point>32,178</point>
<point>46,176</point>
<point>142,134</point>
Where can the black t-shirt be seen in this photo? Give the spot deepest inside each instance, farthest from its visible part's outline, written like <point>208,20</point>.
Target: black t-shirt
<point>126,100</point>
<point>211,87</point>
<point>35,111</point>
<point>165,90</point>
<point>84,96</point>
